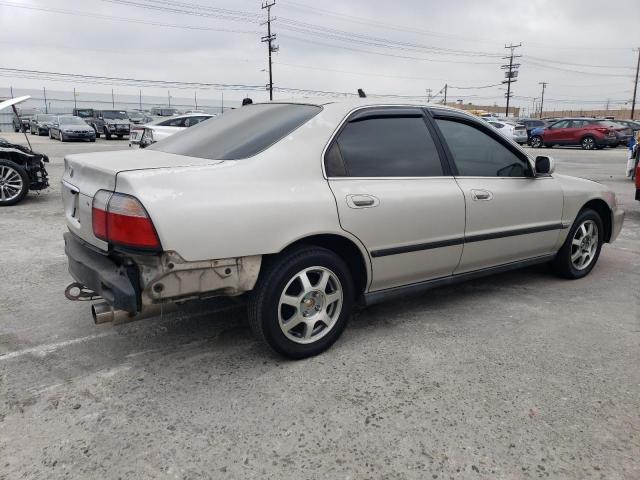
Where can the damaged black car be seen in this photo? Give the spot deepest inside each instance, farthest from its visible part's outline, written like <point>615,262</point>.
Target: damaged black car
<point>21,170</point>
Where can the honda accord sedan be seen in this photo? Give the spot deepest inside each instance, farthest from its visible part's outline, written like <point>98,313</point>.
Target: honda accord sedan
<point>309,209</point>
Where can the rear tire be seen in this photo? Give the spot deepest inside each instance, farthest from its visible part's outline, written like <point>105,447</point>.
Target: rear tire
<point>14,183</point>
<point>588,143</point>
<point>301,318</point>
<point>581,249</point>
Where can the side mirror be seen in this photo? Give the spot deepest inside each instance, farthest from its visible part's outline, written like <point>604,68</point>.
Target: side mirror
<point>545,165</point>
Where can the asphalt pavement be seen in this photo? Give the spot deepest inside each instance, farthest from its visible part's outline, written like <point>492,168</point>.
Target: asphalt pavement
<point>519,375</point>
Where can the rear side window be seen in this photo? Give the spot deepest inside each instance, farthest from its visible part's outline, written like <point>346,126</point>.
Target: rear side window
<point>386,147</point>
<point>240,133</point>
<point>477,154</point>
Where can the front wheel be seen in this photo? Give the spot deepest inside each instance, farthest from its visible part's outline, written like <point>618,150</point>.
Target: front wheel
<point>61,137</point>
<point>588,143</point>
<point>581,249</point>
<point>536,141</point>
<point>14,183</point>
<point>302,301</point>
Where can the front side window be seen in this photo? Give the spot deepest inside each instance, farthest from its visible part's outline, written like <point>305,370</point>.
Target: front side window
<point>477,154</point>
<point>173,122</point>
<point>561,124</point>
<point>387,147</point>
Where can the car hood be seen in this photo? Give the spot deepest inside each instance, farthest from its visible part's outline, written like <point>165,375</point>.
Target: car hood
<point>79,128</point>
<point>116,122</point>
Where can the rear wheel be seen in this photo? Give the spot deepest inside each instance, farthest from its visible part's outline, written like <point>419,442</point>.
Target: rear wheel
<point>302,301</point>
<point>588,143</point>
<point>536,141</point>
<point>14,183</point>
<point>581,249</point>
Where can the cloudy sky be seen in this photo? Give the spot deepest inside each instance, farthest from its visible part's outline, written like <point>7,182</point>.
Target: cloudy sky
<point>582,48</point>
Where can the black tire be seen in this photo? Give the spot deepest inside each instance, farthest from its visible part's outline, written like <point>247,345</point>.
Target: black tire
<point>96,130</point>
<point>107,135</point>
<point>278,275</point>
<point>588,143</point>
<point>92,140</point>
<point>61,136</point>
<point>536,141</point>
<point>4,164</point>
<point>120,137</point>
<point>563,265</point>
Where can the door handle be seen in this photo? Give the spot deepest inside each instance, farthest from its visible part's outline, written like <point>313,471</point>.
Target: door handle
<point>362,201</point>
<point>481,195</point>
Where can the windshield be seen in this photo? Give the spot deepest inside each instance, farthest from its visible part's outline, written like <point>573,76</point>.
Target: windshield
<point>86,113</point>
<point>114,115</point>
<point>71,121</point>
<point>45,118</point>
<point>240,133</point>
<point>135,114</point>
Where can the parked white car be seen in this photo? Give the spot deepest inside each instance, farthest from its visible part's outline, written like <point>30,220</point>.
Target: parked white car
<point>311,208</point>
<point>516,132</point>
<point>145,135</point>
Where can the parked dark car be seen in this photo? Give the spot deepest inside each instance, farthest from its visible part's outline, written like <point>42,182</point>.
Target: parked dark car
<point>69,127</point>
<point>21,170</point>
<point>105,122</point>
<point>589,133</point>
<point>164,111</point>
<point>623,132</point>
<point>40,123</point>
<point>21,124</point>
<point>530,124</point>
<point>632,124</point>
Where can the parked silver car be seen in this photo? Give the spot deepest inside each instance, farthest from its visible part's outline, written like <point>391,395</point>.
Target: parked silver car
<point>70,127</point>
<point>312,208</point>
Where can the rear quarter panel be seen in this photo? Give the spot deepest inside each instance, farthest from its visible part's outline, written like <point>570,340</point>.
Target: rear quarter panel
<point>253,206</point>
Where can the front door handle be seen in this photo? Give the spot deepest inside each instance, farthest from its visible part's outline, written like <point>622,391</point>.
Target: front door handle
<point>362,201</point>
<point>481,195</point>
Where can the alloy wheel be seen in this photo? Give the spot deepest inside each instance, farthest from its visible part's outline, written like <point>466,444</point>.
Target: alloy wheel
<point>310,305</point>
<point>536,142</point>
<point>584,244</point>
<point>588,143</point>
<point>11,183</point>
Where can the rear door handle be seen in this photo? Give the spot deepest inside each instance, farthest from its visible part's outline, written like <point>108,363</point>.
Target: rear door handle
<point>481,195</point>
<point>362,201</point>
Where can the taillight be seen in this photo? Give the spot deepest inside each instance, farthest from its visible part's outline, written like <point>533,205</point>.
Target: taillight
<point>121,219</point>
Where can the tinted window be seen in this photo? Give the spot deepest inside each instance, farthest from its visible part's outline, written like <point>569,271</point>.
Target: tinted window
<point>240,133</point>
<point>389,147</point>
<point>173,122</point>
<point>477,154</point>
<point>191,121</point>
<point>561,124</point>
<point>497,125</point>
<point>114,115</point>
<point>577,123</point>
<point>71,121</point>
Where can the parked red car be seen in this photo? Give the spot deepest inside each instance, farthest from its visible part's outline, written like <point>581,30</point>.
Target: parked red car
<point>638,181</point>
<point>589,133</point>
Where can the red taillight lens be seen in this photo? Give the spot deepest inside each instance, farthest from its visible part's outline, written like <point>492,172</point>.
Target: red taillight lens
<point>122,220</point>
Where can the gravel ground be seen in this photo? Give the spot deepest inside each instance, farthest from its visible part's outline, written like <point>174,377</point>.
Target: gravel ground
<point>520,375</point>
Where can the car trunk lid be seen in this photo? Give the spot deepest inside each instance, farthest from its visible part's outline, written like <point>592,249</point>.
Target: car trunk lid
<point>85,174</point>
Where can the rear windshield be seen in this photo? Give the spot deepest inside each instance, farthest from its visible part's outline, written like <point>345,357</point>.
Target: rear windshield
<point>240,133</point>
<point>86,113</point>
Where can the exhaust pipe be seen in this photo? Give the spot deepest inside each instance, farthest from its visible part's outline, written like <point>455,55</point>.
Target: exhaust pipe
<point>104,313</point>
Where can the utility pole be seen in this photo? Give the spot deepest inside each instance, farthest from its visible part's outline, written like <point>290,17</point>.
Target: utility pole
<point>11,88</point>
<point>511,74</point>
<point>113,100</point>
<point>269,39</point>
<point>169,97</point>
<point>429,95</point>
<point>195,99</point>
<point>544,86</point>
<point>635,87</point>
<point>222,106</point>
<point>75,105</point>
<point>44,91</point>
<point>140,99</point>
<point>446,87</point>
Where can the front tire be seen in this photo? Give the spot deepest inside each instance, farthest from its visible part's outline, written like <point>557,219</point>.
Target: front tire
<point>536,141</point>
<point>581,249</point>
<point>302,301</point>
<point>14,183</point>
<point>61,137</point>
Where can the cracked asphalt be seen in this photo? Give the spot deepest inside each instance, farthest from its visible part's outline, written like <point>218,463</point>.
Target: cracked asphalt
<point>516,376</point>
